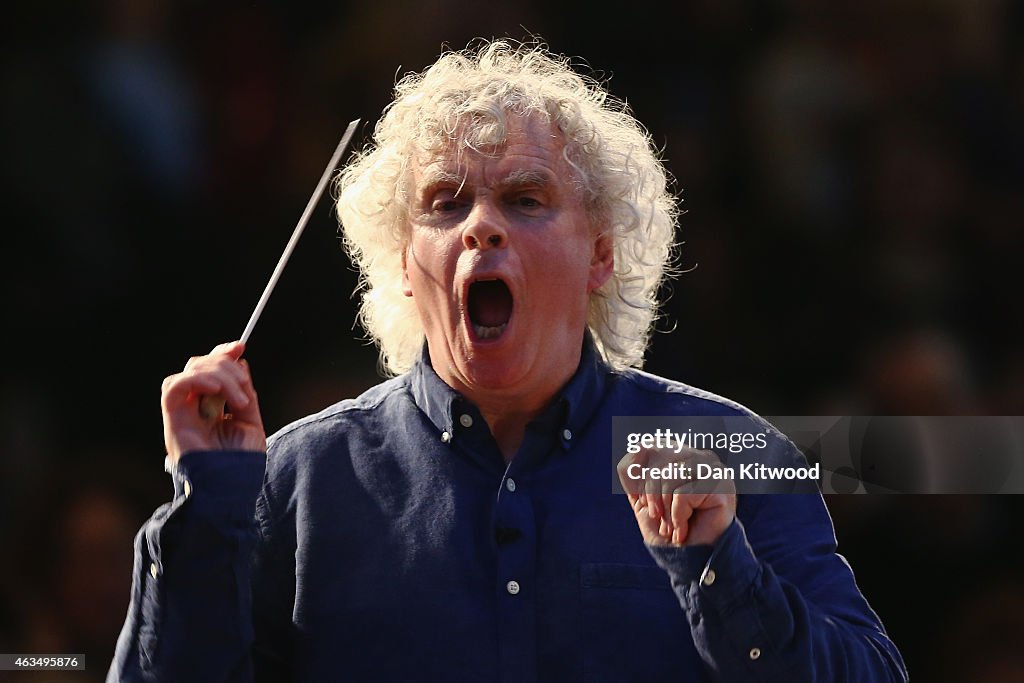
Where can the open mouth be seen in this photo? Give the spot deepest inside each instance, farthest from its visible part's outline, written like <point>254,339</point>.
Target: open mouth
<point>489,307</point>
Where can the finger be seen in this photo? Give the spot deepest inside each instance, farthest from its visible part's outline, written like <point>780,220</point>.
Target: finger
<point>185,387</point>
<point>235,368</point>
<point>215,407</point>
<point>235,394</point>
<point>233,373</point>
<point>666,500</point>
<point>652,491</point>
<point>629,475</point>
<point>177,388</point>
<point>682,511</point>
<point>250,412</point>
<point>630,484</point>
<point>642,459</point>
<point>233,349</point>
<point>667,488</point>
<point>638,505</point>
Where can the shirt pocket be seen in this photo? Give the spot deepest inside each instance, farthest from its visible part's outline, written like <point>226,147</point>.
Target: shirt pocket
<point>634,626</point>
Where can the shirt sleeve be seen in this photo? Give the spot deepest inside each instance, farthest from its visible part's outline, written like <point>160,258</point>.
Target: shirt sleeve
<point>783,607</point>
<point>190,615</point>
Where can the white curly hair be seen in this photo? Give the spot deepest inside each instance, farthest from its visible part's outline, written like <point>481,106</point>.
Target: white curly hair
<point>464,100</point>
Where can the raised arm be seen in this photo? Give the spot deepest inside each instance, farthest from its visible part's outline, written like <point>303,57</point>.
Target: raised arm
<point>190,616</point>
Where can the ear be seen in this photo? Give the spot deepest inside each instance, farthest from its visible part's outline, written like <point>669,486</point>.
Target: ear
<point>406,285</point>
<point>602,264</point>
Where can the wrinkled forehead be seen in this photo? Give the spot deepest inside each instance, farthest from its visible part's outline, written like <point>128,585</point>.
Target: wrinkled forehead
<point>512,145</point>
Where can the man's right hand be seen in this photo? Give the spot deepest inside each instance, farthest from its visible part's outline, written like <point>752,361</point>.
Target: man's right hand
<point>218,375</point>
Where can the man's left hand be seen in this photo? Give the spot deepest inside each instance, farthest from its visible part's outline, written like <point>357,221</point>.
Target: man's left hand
<point>674,511</point>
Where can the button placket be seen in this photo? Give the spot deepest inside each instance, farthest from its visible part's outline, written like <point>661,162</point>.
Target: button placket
<point>516,566</point>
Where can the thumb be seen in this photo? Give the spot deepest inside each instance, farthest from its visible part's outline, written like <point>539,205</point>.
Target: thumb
<point>233,349</point>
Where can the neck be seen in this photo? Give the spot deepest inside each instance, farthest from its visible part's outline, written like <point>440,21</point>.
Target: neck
<point>510,408</point>
<point>508,412</point>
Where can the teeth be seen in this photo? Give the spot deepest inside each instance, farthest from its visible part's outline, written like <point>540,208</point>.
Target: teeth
<point>484,332</point>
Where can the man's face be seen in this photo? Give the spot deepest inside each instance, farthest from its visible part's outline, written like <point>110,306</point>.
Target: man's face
<point>501,261</point>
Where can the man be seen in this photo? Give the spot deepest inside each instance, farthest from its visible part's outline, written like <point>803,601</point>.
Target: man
<point>511,224</point>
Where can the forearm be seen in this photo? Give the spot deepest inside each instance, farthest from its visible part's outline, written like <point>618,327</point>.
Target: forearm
<point>750,624</point>
<point>190,616</point>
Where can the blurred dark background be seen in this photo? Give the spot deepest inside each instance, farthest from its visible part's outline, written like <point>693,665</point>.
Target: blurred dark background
<point>852,178</point>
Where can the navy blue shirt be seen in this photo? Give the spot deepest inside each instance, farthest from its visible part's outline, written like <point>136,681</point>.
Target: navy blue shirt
<point>386,539</point>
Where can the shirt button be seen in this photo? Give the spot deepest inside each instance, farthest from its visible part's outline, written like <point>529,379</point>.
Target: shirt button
<point>510,484</point>
<point>152,569</point>
<point>567,434</point>
<point>708,578</point>
<point>512,587</point>
<point>466,420</point>
<point>446,437</point>
<point>755,653</point>
<point>186,485</point>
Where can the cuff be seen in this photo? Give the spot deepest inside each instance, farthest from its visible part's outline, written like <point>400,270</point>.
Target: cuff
<point>721,575</point>
<point>227,480</point>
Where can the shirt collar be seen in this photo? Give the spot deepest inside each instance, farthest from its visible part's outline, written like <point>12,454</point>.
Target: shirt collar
<point>432,395</point>
<point>568,414</point>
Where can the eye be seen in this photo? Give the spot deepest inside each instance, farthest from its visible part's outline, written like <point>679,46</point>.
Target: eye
<point>529,201</point>
<point>444,205</point>
<point>445,201</point>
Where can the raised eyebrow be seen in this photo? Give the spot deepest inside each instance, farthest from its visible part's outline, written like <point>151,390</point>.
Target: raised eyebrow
<point>524,178</point>
<point>441,179</point>
<point>515,180</point>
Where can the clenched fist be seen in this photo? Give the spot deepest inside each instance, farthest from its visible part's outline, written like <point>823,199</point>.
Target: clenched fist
<point>676,510</point>
<point>222,378</point>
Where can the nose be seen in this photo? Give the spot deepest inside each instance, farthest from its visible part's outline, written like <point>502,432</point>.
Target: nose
<point>485,228</point>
